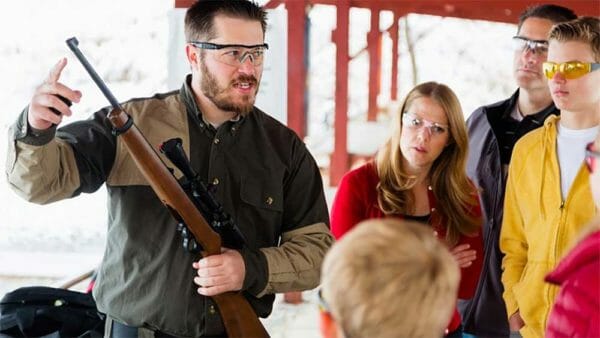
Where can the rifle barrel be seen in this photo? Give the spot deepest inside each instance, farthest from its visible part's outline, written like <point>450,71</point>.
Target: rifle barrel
<point>73,45</point>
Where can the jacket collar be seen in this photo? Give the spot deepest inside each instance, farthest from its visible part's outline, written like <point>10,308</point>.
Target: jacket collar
<point>537,118</point>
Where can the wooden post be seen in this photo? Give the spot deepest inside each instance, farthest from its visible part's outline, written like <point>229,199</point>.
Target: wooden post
<point>374,48</point>
<point>395,58</point>
<point>296,86</point>
<point>339,159</point>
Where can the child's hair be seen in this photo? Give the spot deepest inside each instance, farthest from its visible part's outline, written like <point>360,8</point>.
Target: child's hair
<point>390,278</point>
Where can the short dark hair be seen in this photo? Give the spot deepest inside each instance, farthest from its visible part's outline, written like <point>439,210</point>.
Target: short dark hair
<point>199,18</point>
<point>553,13</point>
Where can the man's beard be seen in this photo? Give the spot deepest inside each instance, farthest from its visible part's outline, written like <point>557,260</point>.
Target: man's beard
<point>219,97</point>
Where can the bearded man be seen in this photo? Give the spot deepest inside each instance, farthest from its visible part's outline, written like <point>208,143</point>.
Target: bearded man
<point>260,172</point>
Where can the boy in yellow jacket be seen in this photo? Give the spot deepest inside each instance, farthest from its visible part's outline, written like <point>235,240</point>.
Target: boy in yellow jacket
<point>548,198</point>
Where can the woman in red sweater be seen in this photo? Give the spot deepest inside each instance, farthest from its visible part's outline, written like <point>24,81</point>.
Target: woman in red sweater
<point>420,174</point>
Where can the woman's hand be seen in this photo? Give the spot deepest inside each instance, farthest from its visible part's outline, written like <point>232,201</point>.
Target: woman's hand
<point>463,255</point>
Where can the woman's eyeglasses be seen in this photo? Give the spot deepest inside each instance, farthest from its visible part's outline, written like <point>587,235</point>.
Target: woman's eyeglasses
<point>570,70</point>
<point>591,157</point>
<point>414,122</point>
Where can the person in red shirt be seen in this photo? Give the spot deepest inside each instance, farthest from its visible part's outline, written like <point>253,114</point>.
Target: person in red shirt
<point>420,175</point>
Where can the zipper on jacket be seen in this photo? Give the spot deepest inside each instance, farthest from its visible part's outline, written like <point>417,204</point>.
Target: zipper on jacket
<point>561,224</point>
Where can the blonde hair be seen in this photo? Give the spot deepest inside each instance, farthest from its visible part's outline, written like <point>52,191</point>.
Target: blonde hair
<point>585,29</point>
<point>389,276</point>
<point>449,181</point>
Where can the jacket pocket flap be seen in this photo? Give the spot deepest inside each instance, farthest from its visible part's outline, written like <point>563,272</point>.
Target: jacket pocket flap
<point>261,195</point>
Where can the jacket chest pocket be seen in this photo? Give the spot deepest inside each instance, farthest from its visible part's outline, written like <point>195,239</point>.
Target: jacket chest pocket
<point>261,211</point>
<point>262,195</point>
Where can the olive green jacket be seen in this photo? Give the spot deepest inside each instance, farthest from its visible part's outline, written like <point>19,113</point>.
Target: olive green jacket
<point>264,177</point>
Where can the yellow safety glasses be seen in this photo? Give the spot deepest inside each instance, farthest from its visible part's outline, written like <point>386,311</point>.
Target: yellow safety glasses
<point>570,70</point>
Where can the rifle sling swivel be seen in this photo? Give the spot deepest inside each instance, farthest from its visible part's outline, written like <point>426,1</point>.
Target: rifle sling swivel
<point>118,131</point>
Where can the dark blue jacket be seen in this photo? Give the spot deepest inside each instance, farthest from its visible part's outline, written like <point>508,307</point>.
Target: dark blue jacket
<point>485,314</point>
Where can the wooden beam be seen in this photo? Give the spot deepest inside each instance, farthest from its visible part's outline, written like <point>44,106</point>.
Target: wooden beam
<point>296,86</point>
<point>339,159</point>
<point>395,57</point>
<point>184,3</point>
<point>373,44</point>
<point>271,4</point>
<point>491,10</point>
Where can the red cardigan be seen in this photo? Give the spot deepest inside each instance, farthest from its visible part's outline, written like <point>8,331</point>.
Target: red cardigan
<point>576,310</point>
<point>356,200</point>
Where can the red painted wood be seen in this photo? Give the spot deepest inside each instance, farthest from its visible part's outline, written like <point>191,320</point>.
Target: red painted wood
<point>273,4</point>
<point>339,159</point>
<point>491,10</point>
<point>296,86</point>
<point>395,57</point>
<point>184,3</point>
<point>374,64</point>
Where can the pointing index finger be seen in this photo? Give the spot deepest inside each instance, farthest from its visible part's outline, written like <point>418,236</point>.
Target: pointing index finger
<point>54,74</point>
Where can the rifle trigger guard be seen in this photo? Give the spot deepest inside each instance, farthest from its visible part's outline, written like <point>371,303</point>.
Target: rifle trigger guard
<point>118,131</point>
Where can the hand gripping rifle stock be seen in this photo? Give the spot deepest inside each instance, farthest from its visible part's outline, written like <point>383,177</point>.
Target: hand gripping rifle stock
<point>239,318</point>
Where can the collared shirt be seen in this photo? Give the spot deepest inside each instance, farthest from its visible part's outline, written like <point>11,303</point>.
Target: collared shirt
<point>509,130</point>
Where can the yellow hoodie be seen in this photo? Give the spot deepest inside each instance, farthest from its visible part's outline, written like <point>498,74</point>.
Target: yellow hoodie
<point>538,226</point>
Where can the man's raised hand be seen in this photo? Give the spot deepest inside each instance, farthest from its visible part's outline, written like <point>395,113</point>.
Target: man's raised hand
<point>40,115</point>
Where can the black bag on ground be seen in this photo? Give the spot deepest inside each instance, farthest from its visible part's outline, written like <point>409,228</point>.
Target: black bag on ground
<point>44,311</point>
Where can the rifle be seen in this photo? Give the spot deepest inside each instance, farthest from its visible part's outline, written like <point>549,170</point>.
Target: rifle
<point>239,318</point>
<point>199,193</point>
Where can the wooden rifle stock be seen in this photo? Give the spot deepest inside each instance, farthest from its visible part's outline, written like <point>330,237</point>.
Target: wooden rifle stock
<point>239,318</point>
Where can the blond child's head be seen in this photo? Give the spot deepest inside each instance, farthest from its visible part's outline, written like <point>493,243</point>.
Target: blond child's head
<point>387,277</point>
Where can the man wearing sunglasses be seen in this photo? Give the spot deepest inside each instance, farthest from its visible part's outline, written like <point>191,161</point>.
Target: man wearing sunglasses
<point>259,170</point>
<point>493,131</point>
<point>548,197</point>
